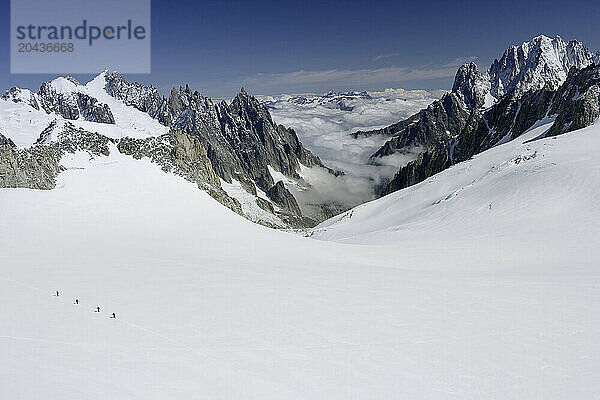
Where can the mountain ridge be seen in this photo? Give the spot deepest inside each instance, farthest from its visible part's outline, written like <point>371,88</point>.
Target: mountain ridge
<point>525,80</point>
<point>238,139</point>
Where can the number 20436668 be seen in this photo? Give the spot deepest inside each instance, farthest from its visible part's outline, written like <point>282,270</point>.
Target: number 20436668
<point>25,47</point>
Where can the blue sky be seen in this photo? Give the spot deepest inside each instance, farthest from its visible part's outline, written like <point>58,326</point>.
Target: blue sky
<point>273,47</point>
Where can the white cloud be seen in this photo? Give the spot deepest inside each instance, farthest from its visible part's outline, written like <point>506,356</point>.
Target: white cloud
<point>382,56</point>
<point>336,78</point>
<point>326,132</point>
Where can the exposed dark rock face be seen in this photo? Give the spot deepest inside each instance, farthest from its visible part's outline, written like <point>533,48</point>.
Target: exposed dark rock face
<point>236,141</point>
<point>4,141</point>
<point>265,205</point>
<point>528,84</point>
<point>18,95</point>
<point>505,121</point>
<point>72,105</point>
<point>34,168</point>
<point>240,138</point>
<point>64,104</point>
<point>174,152</point>
<point>38,166</point>
<point>577,102</point>
<point>576,105</point>
<point>428,128</point>
<point>427,164</point>
<point>284,199</point>
<point>94,111</point>
<point>144,98</point>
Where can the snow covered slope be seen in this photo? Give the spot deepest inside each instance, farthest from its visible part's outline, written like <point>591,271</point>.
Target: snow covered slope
<point>533,196</point>
<point>481,285</point>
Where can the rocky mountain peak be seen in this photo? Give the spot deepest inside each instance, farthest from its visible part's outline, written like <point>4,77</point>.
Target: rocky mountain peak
<point>533,64</point>
<point>4,141</point>
<point>284,199</point>
<point>471,85</point>
<point>240,137</point>
<point>244,98</point>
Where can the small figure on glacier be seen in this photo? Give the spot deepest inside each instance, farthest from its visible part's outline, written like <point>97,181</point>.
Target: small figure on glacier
<point>76,301</point>
<point>114,316</point>
<point>98,309</point>
<point>57,293</point>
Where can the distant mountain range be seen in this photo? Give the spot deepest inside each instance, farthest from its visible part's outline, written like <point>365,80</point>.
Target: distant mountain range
<point>260,169</point>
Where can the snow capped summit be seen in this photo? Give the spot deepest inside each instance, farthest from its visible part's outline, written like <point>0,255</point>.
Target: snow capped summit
<point>534,64</point>
<point>487,109</point>
<point>529,66</point>
<point>64,85</point>
<point>472,86</point>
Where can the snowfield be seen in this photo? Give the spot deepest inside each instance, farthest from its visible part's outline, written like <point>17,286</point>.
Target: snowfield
<point>480,283</point>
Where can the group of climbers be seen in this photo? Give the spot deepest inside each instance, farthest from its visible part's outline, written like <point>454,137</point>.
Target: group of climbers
<point>114,316</point>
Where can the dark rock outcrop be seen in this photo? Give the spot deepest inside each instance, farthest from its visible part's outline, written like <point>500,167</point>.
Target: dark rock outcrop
<point>284,199</point>
<point>528,84</point>
<point>241,140</point>
<point>175,152</point>
<point>428,128</point>
<point>63,104</point>
<point>4,141</point>
<point>427,164</point>
<point>94,111</point>
<point>18,95</point>
<point>73,105</point>
<point>183,155</point>
<point>577,102</point>
<point>37,167</point>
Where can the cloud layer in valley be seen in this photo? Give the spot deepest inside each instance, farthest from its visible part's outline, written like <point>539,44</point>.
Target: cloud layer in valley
<point>324,124</point>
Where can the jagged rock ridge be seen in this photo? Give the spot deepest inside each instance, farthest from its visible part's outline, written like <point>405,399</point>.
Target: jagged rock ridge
<point>488,108</point>
<point>575,105</point>
<point>241,139</point>
<point>59,97</point>
<point>237,142</point>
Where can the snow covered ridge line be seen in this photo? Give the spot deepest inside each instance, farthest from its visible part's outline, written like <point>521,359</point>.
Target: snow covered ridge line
<point>528,84</point>
<point>239,140</point>
<point>38,166</point>
<point>64,97</point>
